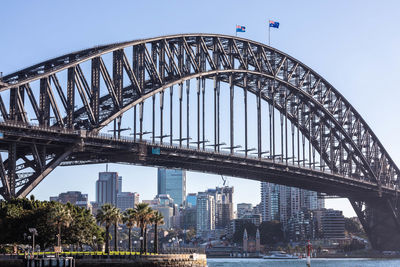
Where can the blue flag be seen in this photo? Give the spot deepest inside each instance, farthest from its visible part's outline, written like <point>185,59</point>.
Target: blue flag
<point>273,24</point>
<point>240,28</point>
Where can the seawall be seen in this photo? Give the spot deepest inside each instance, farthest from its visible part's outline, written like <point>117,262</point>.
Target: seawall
<point>166,260</point>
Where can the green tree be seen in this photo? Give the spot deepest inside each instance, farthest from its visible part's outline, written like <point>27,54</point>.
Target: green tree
<point>251,231</point>
<point>59,216</point>
<point>83,229</point>
<point>117,218</point>
<point>144,214</point>
<point>352,226</point>
<point>157,219</point>
<point>18,215</point>
<point>129,218</point>
<point>271,233</point>
<point>105,215</point>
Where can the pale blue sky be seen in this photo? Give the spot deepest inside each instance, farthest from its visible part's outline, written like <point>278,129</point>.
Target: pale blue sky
<point>353,44</point>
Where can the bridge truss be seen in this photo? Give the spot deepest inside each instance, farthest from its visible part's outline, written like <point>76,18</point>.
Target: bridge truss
<point>253,112</point>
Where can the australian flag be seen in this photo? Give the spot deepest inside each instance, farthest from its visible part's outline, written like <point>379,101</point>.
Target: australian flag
<point>240,28</point>
<point>273,24</point>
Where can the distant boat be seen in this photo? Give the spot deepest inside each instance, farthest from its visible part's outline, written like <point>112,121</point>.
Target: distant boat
<point>279,255</point>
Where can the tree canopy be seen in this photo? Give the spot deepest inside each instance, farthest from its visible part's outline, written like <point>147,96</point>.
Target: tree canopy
<point>271,233</point>
<point>18,215</point>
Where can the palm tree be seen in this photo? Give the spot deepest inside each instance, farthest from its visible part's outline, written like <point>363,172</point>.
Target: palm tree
<point>157,219</point>
<point>130,218</point>
<point>117,218</point>
<point>59,216</point>
<point>144,213</point>
<point>105,215</point>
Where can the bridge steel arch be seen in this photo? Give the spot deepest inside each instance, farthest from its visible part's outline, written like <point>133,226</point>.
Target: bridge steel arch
<point>353,162</point>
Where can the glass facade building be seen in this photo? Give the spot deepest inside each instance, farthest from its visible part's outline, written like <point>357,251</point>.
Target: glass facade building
<point>107,188</point>
<point>191,200</point>
<point>173,183</point>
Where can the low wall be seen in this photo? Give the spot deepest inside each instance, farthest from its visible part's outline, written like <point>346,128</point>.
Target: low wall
<point>163,260</point>
<point>189,260</point>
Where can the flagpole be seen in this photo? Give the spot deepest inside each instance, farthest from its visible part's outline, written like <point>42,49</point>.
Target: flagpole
<point>236,30</point>
<point>269,34</point>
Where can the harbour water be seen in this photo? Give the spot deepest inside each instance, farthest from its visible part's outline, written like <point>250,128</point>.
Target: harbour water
<point>302,263</point>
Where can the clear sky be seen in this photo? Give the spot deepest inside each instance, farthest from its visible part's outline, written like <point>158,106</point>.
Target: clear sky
<point>352,44</point>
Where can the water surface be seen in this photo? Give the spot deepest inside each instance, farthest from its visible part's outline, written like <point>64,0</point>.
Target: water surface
<point>302,263</point>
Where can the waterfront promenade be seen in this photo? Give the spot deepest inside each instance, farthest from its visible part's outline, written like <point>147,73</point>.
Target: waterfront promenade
<point>93,259</point>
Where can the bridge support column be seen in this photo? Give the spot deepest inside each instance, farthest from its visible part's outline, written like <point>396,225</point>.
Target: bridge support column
<point>379,217</point>
<point>12,158</point>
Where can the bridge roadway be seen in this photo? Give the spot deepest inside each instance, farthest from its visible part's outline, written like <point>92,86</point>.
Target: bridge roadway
<point>91,148</point>
<point>79,147</point>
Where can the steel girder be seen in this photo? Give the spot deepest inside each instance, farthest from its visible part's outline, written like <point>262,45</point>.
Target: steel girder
<point>335,131</point>
<point>166,60</point>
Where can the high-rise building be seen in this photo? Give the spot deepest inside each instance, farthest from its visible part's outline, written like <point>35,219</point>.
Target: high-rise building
<point>191,200</point>
<point>107,188</point>
<point>223,205</point>
<point>205,213</point>
<point>243,208</point>
<point>269,201</point>
<point>301,226</point>
<point>279,202</point>
<point>73,197</point>
<point>284,204</point>
<point>173,183</point>
<point>167,212</point>
<point>127,200</point>
<point>165,200</point>
<point>189,218</point>
<point>332,222</point>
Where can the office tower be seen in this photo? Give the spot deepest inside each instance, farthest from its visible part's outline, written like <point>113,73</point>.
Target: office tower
<point>225,214</point>
<point>279,202</point>
<point>127,200</point>
<point>165,200</point>
<point>269,201</point>
<point>74,197</point>
<point>167,212</point>
<point>309,199</point>
<point>173,183</point>
<point>191,200</point>
<point>295,201</point>
<point>107,188</point>
<point>332,222</point>
<point>321,202</point>
<point>205,213</point>
<point>189,218</point>
<point>284,204</point>
<point>223,205</point>
<point>243,208</point>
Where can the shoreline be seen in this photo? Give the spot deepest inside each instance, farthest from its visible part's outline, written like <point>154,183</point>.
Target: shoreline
<point>322,257</point>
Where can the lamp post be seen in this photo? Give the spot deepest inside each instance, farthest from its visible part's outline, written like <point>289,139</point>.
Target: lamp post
<point>152,244</point>
<point>29,240</point>
<point>173,242</point>
<point>94,242</point>
<point>134,244</point>
<point>141,244</point>
<point>179,244</point>
<point>33,231</point>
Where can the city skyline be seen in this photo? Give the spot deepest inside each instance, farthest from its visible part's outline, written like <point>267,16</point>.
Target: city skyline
<point>326,32</point>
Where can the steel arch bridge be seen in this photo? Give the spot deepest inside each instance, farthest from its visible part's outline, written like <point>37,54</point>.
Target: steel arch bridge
<point>304,132</point>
